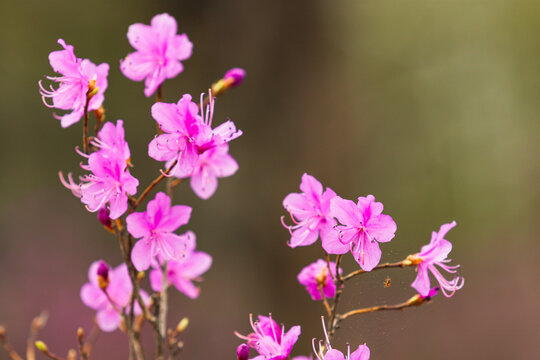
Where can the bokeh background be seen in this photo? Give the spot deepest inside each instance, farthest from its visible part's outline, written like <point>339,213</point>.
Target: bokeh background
<point>432,106</point>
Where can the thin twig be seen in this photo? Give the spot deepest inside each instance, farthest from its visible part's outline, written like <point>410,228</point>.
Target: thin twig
<point>327,258</point>
<point>400,264</point>
<point>80,342</point>
<point>100,118</point>
<point>37,324</point>
<point>416,300</point>
<point>152,185</point>
<point>332,324</point>
<point>7,346</point>
<point>85,123</point>
<point>325,300</point>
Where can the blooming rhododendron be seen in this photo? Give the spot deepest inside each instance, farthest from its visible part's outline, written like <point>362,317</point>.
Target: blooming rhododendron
<point>159,52</point>
<point>109,299</point>
<point>310,212</point>
<point>188,138</point>
<point>270,340</point>
<point>436,253</point>
<point>79,76</point>
<point>111,141</point>
<point>182,272</point>
<point>154,228</point>
<point>315,277</point>
<point>328,353</point>
<point>109,183</point>
<point>362,226</point>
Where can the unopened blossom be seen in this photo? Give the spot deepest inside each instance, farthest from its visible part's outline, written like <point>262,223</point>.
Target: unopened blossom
<point>187,135</point>
<point>181,273</point>
<point>242,352</point>
<point>111,299</point>
<point>111,141</point>
<point>362,226</point>
<point>211,165</point>
<point>78,78</point>
<point>155,228</point>
<point>270,340</point>
<point>432,255</point>
<point>108,184</point>
<point>160,51</point>
<point>235,76</point>
<point>316,278</point>
<point>310,213</point>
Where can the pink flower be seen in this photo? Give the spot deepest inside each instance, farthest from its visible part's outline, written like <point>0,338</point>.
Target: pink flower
<point>188,135</point>
<point>211,165</point>
<point>362,227</point>
<point>310,212</point>
<point>242,352</point>
<point>270,340</point>
<point>154,228</point>
<point>111,141</point>
<point>109,183</point>
<point>436,253</point>
<point>361,353</point>
<point>159,52</point>
<point>315,276</point>
<point>114,298</point>
<point>78,77</point>
<point>182,272</point>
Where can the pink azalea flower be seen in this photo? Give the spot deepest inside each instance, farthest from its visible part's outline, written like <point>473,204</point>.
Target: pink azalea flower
<point>310,212</point>
<point>109,183</point>
<point>436,253</point>
<point>211,165</point>
<point>270,340</point>
<point>187,135</point>
<point>316,275</point>
<point>159,52</point>
<point>362,227</point>
<point>182,272</point>
<point>78,77</point>
<point>111,142</point>
<point>114,298</point>
<point>154,228</point>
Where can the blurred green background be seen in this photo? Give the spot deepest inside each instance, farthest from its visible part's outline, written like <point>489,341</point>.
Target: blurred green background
<point>432,106</point>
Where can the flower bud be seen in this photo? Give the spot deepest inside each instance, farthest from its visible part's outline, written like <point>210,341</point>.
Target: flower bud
<point>41,346</point>
<point>235,76</point>
<point>242,352</point>
<point>103,217</point>
<point>182,325</point>
<point>103,275</point>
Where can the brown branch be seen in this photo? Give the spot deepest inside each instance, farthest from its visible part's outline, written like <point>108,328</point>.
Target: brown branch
<point>163,307</point>
<point>45,351</point>
<point>333,324</point>
<point>400,264</point>
<point>100,118</point>
<point>7,346</point>
<point>37,324</point>
<point>80,342</point>
<point>152,185</point>
<point>416,300</point>
<point>325,300</point>
<point>85,123</point>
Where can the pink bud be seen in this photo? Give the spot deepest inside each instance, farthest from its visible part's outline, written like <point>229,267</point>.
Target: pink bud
<point>236,74</point>
<point>103,217</point>
<point>242,352</point>
<point>103,270</point>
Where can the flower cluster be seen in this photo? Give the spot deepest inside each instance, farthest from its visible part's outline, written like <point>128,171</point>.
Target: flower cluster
<point>190,145</point>
<point>345,226</point>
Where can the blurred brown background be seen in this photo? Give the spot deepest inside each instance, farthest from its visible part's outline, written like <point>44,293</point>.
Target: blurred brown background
<point>432,106</point>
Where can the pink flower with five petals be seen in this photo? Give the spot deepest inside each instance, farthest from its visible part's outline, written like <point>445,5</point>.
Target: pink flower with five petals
<point>160,51</point>
<point>155,228</point>
<point>315,277</point>
<point>436,253</point>
<point>78,76</point>
<point>310,212</point>
<point>362,227</point>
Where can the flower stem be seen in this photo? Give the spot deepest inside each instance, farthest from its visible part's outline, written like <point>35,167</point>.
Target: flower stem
<point>413,301</point>
<point>333,323</point>
<point>400,264</point>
